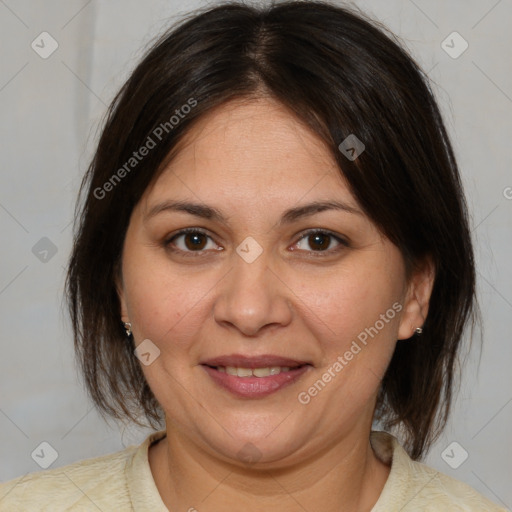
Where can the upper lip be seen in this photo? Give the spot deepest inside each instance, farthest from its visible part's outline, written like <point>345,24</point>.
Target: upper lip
<point>262,361</point>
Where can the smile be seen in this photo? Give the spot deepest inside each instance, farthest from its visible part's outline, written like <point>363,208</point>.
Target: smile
<point>255,382</point>
<point>253,372</point>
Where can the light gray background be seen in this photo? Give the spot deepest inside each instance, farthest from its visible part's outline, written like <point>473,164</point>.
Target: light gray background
<point>50,112</point>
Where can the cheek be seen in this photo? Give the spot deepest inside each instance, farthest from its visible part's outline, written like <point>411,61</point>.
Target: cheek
<point>355,320</point>
<point>162,304</point>
<point>351,301</point>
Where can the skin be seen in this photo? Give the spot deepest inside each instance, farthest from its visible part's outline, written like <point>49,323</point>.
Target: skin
<point>252,160</point>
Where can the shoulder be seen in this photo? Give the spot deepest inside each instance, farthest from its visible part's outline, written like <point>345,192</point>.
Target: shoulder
<point>92,484</point>
<point>413,486</point>
<point>442,492</point>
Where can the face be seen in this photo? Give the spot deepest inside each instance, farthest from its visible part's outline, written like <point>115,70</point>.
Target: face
<point>261,282</point>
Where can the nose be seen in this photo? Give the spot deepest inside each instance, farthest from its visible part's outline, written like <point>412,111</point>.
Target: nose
<point>252,297</point>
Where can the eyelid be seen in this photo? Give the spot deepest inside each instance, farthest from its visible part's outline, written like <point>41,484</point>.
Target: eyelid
<point>185,231</point>
<point>169,239</point>
<point>341,240</point>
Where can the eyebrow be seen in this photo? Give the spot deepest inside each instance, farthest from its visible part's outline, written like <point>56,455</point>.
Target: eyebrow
<point>211,213</point>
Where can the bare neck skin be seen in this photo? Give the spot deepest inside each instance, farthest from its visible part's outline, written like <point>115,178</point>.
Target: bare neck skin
<point>347,477</point>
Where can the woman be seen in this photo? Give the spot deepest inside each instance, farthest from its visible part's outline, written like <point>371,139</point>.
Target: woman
<point>272,256</point>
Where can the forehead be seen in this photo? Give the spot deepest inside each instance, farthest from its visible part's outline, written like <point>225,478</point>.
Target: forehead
<point>251,150</point>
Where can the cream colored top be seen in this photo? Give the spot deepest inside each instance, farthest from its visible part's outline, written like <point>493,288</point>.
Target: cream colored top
<point>123,482</point>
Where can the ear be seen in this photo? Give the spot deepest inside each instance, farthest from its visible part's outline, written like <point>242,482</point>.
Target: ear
<point>120,293</point>
<point>419,290</point>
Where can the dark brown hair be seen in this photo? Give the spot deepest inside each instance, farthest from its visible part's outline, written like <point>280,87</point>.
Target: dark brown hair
<point>341,74</point>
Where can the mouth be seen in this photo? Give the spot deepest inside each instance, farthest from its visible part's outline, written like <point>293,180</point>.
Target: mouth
<point>254,372</point>
<point>254,377</point>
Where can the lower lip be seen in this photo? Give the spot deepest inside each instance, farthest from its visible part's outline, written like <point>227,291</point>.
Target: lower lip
<point>255,387</point>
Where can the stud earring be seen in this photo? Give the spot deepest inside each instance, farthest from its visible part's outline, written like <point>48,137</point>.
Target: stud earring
<point>418,330</point>
<point>128,328</point>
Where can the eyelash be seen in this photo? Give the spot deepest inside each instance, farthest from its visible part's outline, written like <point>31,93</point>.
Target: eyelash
<point>342,242</point>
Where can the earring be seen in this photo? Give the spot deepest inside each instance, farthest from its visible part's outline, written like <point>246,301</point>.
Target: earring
<point>128,328</point>
<point>418,330</point>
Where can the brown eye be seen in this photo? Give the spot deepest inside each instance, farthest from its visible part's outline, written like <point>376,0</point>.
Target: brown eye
<point>190,240</point>
<point>194,241</point>
<point>320,241</point>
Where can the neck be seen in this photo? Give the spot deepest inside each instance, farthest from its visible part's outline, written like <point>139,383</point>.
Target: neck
<point>347,476</point>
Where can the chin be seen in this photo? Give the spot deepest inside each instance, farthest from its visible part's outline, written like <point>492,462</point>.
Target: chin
<point>259,447</point>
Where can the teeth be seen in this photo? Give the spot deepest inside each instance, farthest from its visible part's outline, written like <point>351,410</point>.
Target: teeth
<point>261,372</point>
<point>256,372</point>
<point>244,372</point>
